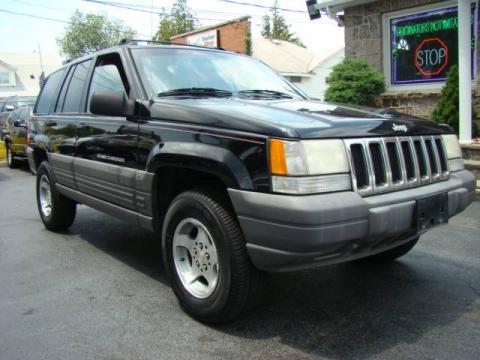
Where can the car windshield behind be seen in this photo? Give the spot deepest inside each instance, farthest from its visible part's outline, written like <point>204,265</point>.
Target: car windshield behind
<point>166,70</point>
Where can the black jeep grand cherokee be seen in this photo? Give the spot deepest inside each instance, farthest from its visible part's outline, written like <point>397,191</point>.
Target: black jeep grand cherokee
<point>237,170</point>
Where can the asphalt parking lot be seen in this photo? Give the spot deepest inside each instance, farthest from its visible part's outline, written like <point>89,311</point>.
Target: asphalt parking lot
<point>99,292</point>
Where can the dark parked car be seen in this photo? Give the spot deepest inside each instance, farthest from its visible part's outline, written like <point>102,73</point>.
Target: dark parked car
<point>11,103</point>
<point>17,132</point>
<point>237,171</point>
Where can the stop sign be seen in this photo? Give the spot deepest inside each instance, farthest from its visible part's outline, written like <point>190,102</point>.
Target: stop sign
<point>431,56</point>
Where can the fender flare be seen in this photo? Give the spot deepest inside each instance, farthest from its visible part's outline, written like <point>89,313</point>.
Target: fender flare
<point>206,158</point>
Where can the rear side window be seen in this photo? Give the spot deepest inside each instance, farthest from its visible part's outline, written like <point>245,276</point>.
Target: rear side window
<point>73,98</point>
<point>48,94</point>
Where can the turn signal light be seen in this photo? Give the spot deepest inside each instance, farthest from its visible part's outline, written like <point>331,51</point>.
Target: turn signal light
<point>278,161</point>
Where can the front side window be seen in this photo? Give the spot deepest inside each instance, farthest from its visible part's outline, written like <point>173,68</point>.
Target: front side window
<point>163,70</point>
<point>48,94</point>
<point>108,75</point>
<point>73,97</point>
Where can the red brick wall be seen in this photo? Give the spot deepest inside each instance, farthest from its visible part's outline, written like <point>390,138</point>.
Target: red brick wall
<point>231,37</point>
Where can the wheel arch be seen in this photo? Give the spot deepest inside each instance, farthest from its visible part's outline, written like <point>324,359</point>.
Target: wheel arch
<point>39,155</point>
<point>205,158</point>
<point>180,167</point>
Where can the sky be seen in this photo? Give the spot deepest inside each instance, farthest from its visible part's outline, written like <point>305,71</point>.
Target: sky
<point>20,33</point>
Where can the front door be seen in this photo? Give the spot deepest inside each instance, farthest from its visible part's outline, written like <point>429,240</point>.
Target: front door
<point>106,147</point>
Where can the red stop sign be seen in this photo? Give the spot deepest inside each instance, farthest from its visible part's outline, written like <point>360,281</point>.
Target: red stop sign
<point>431,56</point>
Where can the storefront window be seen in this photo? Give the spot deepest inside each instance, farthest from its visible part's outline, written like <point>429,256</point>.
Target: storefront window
<point>424,45</point>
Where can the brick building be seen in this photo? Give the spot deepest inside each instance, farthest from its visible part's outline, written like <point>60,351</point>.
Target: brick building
<point>233,35</point>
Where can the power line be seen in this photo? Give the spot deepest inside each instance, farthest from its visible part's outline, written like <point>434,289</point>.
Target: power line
<point>122,6</point>
<point>140,8</point>
<point>40,5</point>
<point>48,18</point>
<point>262,6</point>
<point>34,16</point>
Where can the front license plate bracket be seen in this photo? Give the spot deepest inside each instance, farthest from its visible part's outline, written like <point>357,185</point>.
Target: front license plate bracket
<point>431,211</point>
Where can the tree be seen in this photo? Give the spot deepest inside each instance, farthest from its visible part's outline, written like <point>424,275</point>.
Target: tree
<point>87,33</point>
<point>354,81</point>
<point>275,27</point>
<point>447,110</point>
<point>179,21</point>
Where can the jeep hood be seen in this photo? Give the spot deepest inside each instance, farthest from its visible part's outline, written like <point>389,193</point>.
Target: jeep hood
<point>292,118</point>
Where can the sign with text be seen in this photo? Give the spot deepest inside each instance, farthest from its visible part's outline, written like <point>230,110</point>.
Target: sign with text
<point>206,38</point>
<point>425,45</point>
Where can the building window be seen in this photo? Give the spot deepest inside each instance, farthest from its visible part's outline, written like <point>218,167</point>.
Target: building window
<point>295,79</point>
<point>422,44</point>
<point>4,78</point>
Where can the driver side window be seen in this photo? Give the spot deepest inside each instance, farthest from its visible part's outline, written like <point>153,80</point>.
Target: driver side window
<point>108,75</point>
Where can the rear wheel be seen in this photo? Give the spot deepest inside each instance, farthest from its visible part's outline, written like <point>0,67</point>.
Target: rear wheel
<point>56,211</point>
<point>206,258</point>
<point>393,254</point>
<point>11,161</point>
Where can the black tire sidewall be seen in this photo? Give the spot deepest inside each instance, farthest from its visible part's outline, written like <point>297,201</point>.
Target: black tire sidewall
<point>186,206</point>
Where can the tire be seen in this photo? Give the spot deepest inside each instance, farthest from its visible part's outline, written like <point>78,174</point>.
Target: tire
<point>56,211</point>
<point>392,254</point>
<point>11,161</point>
<point>205,217</point>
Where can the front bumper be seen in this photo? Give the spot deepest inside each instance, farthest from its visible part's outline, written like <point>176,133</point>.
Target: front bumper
<point>285,232</point>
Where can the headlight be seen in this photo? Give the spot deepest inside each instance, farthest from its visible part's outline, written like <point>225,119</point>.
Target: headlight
<point>452,147</point>
<point>309,166</point>
<point>454,152</point>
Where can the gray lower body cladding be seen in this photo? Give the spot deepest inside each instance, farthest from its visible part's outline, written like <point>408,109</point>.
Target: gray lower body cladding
<point>286,232</point>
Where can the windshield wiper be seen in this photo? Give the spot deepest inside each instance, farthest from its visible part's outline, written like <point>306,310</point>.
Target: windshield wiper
<point>196,91</point>
<point>265,93</point>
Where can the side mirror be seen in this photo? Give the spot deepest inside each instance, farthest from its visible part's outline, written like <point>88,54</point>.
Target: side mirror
<point>20,123</point>
<point>9,107</point>
<point>111,103</point>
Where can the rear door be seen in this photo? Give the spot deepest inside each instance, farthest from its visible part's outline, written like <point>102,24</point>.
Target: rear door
<point>61,124</point>
<point>53,132</point>
<point>106,147</point>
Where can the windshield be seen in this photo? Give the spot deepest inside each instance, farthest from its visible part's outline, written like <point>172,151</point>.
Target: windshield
<point>165,70</point>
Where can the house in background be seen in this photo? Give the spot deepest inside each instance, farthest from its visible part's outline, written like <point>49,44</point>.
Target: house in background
<point>308,70</point>
<point>20,72</point>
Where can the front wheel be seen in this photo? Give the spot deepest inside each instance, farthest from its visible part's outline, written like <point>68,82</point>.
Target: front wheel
<point>56,211</point>
<point>11,161</point>
<point>206,259</point>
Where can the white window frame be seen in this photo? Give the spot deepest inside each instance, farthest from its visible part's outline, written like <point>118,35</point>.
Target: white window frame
<point>9,77</point>
<point>386,50</point>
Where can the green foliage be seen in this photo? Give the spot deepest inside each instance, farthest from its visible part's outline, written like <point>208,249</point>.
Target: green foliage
<point>248,43</point>
<point>275,27</point>
<point>447,109</point>
<point>354,81</point>
<point>179,21</point>
<point>87,33</point>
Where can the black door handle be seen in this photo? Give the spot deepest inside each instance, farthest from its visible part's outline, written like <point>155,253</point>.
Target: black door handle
<point>50,123</point>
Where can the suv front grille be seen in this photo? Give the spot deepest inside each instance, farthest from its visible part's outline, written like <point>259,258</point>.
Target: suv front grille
<point>393,163</point>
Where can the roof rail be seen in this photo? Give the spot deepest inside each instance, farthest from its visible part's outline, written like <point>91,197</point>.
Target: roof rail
<point>137,41</point>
